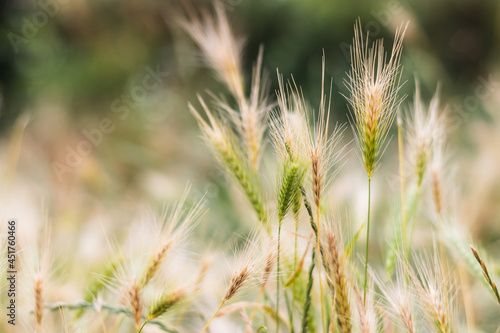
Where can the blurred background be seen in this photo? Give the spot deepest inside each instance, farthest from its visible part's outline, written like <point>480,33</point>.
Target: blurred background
<point>105,86</point>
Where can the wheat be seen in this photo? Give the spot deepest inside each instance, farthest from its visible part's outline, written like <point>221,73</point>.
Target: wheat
<point>366,311</point>
<point>134,298</point>
<point>223,142</point>
<point>435,292</point>
<point>249,263</point>
<point>399,296</point>
<point>486,273</point>
<point>174,229</point>
<point>373,85</point>
<point>164,303</point>
<point>336,260</point>
<point>425,127</point>
<point>308,298</point>
<point>222,50</point>
<point>323,157</point>
<point>39,301</point>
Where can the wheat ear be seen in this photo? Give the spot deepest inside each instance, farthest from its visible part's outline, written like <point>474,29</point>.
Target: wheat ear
<point>342,304</point>
<point>39,301</point>
<point>486,274</point>
<point>163,304</point>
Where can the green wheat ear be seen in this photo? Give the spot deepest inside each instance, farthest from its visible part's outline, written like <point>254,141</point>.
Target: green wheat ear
<point>291,180</point>
<point>226,146</point>
<point>242,174</point>
<point>165,303</point>
<point>370,150</point>
<point>421,167</point>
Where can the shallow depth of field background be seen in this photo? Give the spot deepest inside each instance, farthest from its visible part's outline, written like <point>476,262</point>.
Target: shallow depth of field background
<point>87,60</point>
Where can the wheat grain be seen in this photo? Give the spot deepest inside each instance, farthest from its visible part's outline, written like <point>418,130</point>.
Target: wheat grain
<point>336,260</point>
<point>486,273</point>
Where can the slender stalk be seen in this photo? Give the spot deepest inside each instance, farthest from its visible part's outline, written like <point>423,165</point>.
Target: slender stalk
<point>319,271</point>
<point>103,325</point>
<point>307,303</point>
<point>254,311</point>
<point>289,308</point>
<point>466,294</point>
<point>413,211</point>
<point>278,279</point>
<point>215,314</point>
<point>140,329</point>
<point>441,241</point>
<point>294,289</point>
<point>367,242</point>
<point>402,181</point>
<point>307,205</point>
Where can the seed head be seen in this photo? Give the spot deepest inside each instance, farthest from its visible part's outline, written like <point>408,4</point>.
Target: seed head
<point>336,260</point>
<point>221,48</point>
<point>249,262</point>
<point>425,130</point>
<point>322,145</point>
<point>373,85</point>
<point>165,303</point>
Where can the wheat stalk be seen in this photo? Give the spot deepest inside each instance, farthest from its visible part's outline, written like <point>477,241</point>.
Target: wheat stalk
<point>486,273</point>
<point>373,85</point>
<point>308,298</point>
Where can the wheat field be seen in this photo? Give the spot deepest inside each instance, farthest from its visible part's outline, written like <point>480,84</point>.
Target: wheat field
<point>224,193</point>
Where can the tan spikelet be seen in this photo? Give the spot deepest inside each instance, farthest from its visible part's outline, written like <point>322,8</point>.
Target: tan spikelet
<point>337,262</point>
<point>39,301</point>
<point>135,303</point>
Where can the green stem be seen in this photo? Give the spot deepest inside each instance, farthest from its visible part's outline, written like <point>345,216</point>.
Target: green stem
<point>315,230</point>
<point>289,308</point>
<point>367,242</point>
<point>296,215</point>
<point>278,279</point>
<point>140,329</point>
<point>215,314</point>
<point>402,181</point>
<point>412,216</point>
<point>307,303</point>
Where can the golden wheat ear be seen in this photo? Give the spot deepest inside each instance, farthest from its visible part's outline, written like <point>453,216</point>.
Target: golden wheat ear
<point>134,298</point>
<point>249,262</point>
<point>174,225</point>
<point>337,261</point>
<point>40,272</point>
<point>486,273</point>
